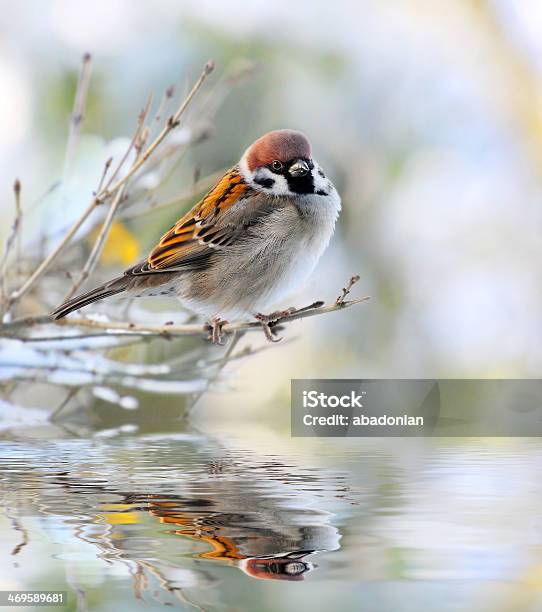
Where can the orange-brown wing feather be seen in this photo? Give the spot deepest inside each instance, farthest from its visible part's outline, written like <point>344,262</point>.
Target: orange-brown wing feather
<point>195,233</point>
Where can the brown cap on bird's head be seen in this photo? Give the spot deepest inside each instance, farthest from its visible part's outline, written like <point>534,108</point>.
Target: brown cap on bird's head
<point>283,145</point>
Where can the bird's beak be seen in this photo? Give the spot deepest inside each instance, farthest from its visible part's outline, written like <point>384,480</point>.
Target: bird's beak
<point>299,168</point>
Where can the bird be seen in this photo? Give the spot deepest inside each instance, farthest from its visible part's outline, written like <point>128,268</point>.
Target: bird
<point>252,239</point>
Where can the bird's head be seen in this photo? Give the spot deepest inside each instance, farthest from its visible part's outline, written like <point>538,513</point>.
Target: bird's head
<point>280,567</point>
<point>280,163</point>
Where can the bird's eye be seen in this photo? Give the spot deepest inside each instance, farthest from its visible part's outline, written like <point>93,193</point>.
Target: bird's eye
<point>277,166</point>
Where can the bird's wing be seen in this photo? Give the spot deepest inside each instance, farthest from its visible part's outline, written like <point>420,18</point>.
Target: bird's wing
<point>212,224</point>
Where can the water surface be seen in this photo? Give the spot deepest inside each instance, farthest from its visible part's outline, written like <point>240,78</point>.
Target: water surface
<point>193,522</point>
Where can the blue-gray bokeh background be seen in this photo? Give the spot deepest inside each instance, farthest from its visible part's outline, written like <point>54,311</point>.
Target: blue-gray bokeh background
<point>425,114</point>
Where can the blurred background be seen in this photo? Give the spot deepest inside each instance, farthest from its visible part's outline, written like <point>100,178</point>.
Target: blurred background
<point>428,118</point>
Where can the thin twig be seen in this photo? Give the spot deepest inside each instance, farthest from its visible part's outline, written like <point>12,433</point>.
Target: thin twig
<point>171,124</point>
<point>63,337</point>
<point>346,290</point>
<point>69,396</point>
<point>31,280</point>
<point>92,260</point>
<point>135,138</point>
<point>177,153</point>
<point>107,165</point>
<point>40,270</point>
<point>106,192</point>
<point>219,367</point>
<point>77,115</point>
<point>168,94</point>
<point>197,188</point>
<point>11,326</point>
<point>14,237</point>
<point>138,142</point>
<point>18,224</point>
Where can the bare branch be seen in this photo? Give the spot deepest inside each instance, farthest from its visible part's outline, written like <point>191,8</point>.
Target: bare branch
<point>108,191</point>
<point>200,186</point>
<point>198,329</point>
<point>92,260</point>
<point>31,280</point>
<point>138,142</point>
<point>69,396</point>
<point>170,331</point>
<point>77,116</point>
<point>171,124</point>
<point>346,290</point>
<point>7,329</point>
<point>133,142</point>
<point>168,94</point>
<point>14,237</point>
<point>107,165</point>
<point>18,222</point>
<point>221,364</point>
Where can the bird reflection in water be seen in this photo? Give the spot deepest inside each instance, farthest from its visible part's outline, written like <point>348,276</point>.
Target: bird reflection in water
<point>259,542</point>
<point>176,526</point>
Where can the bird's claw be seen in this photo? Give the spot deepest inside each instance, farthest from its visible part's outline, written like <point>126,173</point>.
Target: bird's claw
<point>214,328</point>
<point>269,321</point>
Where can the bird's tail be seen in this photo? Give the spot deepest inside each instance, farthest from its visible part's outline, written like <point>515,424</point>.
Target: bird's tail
<point>117,285</point>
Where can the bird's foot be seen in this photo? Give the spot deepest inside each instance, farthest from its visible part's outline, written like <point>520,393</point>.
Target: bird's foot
<point>214,328</point>
<point>269,321</point>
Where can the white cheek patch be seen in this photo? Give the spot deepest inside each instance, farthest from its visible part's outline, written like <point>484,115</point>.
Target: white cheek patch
<point>262,177</point>
<point>322,185</point>
<point>267,181</point>
<point>272,183</point>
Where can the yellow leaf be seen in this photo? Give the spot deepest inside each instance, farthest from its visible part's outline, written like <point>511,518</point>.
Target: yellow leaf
<point>121,246</point>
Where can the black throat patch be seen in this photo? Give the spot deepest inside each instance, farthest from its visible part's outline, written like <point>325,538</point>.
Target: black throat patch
<point>300,184</point>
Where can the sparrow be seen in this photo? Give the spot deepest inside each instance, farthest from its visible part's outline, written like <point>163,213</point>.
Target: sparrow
<point>252,239</point>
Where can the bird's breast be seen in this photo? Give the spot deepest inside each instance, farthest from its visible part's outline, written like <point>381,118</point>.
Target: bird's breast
<point>274,258</point>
